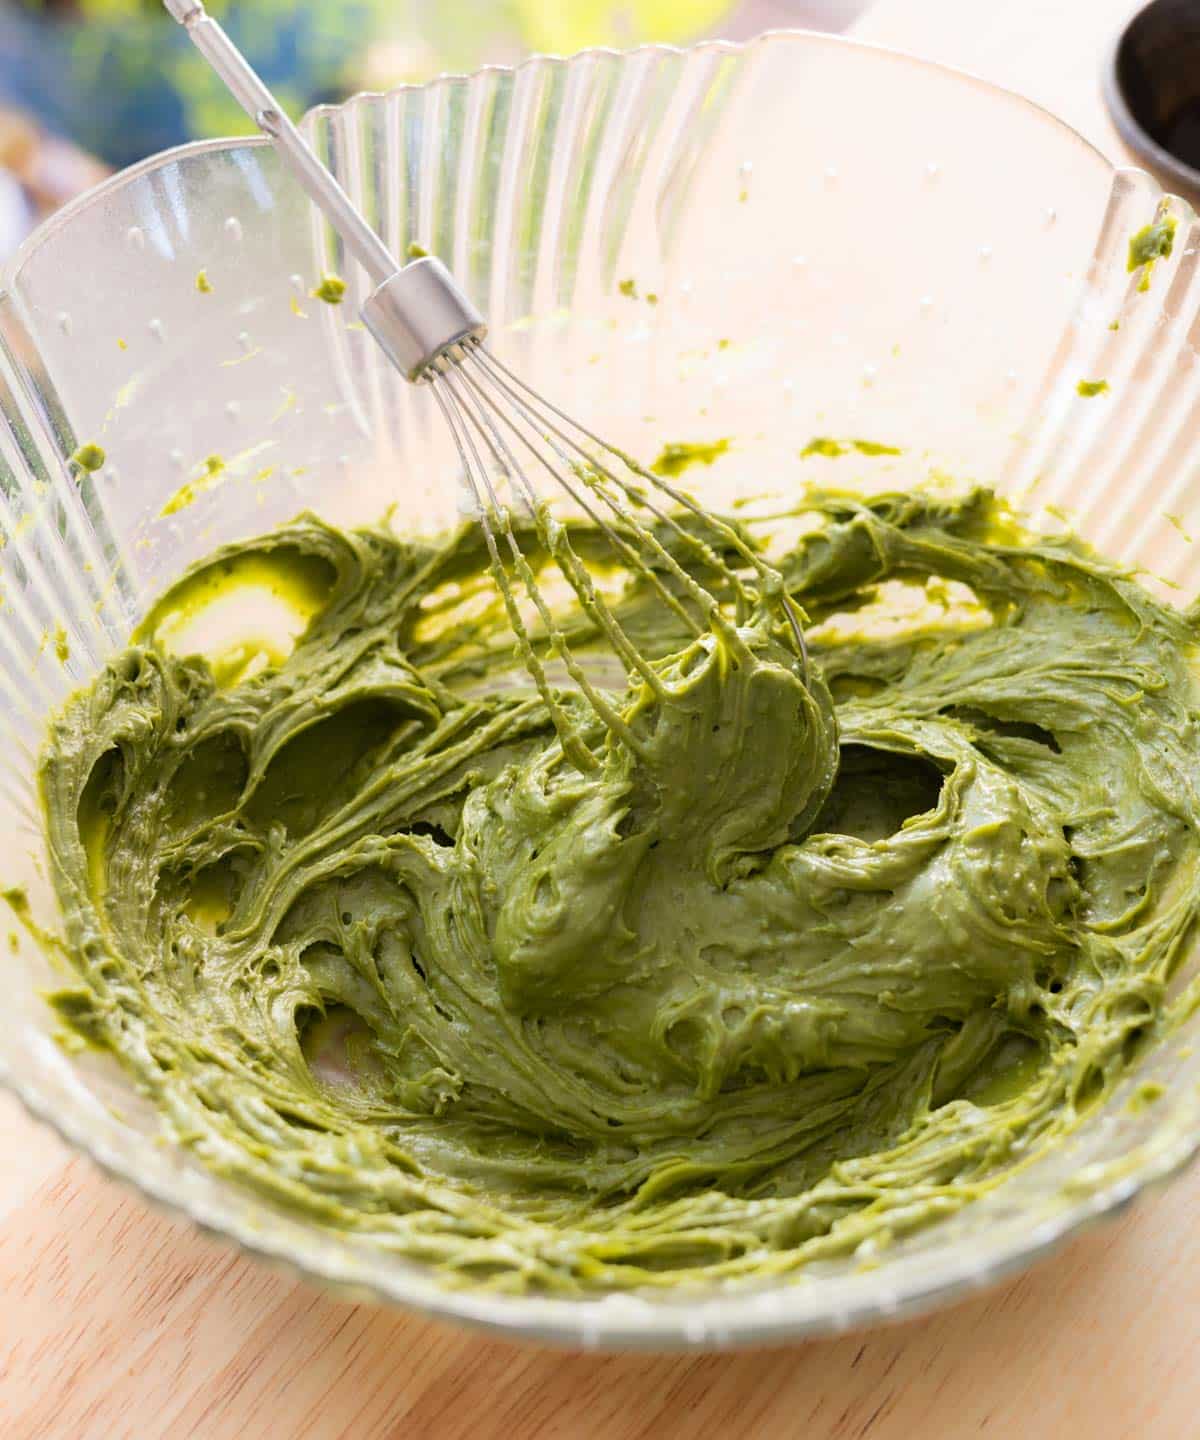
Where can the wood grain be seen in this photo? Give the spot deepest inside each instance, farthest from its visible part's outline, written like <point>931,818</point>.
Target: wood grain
<point>119,1324</point>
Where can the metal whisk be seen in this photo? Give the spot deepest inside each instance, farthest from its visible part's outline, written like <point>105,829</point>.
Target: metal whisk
<point>505,432</point>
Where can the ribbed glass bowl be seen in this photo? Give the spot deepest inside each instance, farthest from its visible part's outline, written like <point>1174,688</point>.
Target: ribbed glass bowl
<point>840,240</point>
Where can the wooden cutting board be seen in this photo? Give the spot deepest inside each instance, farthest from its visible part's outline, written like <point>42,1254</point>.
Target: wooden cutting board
<point>116,1322</point>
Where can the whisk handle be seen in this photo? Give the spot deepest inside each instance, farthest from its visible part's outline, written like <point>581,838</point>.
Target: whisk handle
<point>253,96</point>
<point>417,312</point>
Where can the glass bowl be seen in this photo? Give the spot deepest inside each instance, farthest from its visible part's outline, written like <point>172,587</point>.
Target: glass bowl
<point>838,240</point>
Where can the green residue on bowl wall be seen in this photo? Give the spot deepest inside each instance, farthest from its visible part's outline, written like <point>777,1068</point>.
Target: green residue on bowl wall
<point>203,283</point>
<point>188,494</point>
<point>332,289</point>
<point>822,445</point>
<point>677,457</point>
<point>1152,242</point>
<point>1090,388</point>
<point>831,449</point>
<point>89,457</point>
<point>1145,1095</point>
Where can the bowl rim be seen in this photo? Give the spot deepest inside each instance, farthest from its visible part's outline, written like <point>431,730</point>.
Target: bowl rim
<point>602,1321</point>
<point>128,174</point>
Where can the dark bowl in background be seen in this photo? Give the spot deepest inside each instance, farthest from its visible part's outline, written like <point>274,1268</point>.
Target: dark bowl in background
<point>1152,87</point>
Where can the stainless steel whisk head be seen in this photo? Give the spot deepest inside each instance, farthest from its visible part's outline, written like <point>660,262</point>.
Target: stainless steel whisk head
<point>504,430</point>
<point>513,444</point>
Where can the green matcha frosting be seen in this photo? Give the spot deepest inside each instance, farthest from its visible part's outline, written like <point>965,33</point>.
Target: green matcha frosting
<point>803,957</point>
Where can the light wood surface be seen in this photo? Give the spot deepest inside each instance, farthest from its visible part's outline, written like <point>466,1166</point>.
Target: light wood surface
<point>116,1322</point>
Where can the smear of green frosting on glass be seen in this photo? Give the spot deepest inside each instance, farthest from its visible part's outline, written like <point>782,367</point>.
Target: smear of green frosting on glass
<point>332,290</point>
<point>818,959</point>
<point>1151,243</point>
<point>677,457</point>
<point>823,445</point>
<point>89,457</point>
<point>831,449</point>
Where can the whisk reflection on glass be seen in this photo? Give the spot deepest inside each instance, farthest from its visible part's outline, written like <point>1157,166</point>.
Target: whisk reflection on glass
<point>512,442</point>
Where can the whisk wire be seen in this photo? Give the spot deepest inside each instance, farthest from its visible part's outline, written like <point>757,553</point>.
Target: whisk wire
<point>558,542</point>
<point>592,471</point>
<point>575,575</point>
<point>555,540</point>
<point>487,516</point>
<point>579,754</point>
<point>771,582</point>
<point>488,411</point>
